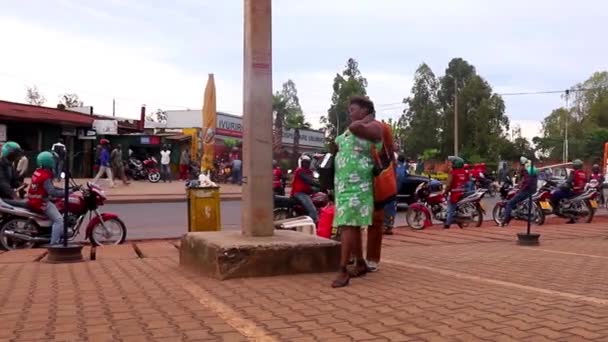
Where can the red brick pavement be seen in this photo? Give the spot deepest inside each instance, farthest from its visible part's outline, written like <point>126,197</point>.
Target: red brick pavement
<point>472,284</point>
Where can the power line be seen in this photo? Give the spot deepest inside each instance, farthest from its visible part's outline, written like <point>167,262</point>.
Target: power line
<point>572,90</point>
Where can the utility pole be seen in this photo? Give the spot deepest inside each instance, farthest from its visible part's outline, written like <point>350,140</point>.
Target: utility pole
<point>455,116</point>
<point>566,120</point>
<point>113,107</point>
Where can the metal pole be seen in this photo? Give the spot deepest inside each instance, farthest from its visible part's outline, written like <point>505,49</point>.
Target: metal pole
<point>530,203</point>
<point>456,116</point>
<point>66,198</point>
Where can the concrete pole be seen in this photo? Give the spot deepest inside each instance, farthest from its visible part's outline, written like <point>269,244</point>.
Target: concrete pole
<point>256,216</point>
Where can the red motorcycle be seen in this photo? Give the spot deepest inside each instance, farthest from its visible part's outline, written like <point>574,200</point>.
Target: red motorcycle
<point>287,207</point>
<point>23,228</point>
<point>432,204</point>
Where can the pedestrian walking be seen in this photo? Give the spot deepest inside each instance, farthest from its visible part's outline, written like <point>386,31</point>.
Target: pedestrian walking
<point>58,150</point>
<point>104,163</point>
<point>165,164</point>
<point>118,167</point>
<point>354,188</point>
<point>184,164</point>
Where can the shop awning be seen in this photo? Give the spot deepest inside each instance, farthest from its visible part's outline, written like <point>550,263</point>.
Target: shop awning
<point>180,137</point>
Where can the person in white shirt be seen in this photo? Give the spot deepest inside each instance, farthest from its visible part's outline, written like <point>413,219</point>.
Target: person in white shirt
<point>165,164</point>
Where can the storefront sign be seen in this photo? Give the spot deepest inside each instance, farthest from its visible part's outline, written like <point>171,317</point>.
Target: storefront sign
<point>87,134</point>
<point>70,132</point>
<point>106,127</point>
<point>307,138</point>
<point>229,126</point>
<point>2,133</point>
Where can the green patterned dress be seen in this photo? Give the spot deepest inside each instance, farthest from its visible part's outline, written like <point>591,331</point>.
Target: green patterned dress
<point>353,181</point>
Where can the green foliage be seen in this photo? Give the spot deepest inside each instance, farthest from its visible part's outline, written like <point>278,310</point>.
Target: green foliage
<point>346,85</point>
<point>285,105</point>
<point>430,154</point>
<point>230,143</point>
<point>586,118</point>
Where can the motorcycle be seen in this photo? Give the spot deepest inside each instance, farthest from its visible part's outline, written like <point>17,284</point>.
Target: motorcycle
<point>146,169</point>
<point>540,206</point>
<point>22,228</point>
<point>583,205</point>
<point>433,204</point>
<point>489,184</point>
<point>288,207</point>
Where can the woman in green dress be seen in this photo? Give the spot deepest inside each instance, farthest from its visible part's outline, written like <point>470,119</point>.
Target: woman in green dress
<point>354,185</point>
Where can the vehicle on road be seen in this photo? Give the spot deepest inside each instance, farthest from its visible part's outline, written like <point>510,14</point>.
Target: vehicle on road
<point>433,205</point>
<point>22,228</point>
<point>540,205</point>
<point>580,207</point>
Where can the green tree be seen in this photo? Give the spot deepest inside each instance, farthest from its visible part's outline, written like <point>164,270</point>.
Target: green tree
<point>284,104</point>
<point>399,129</point>
<point>346,85</point>
<point>421,116</point>
<point>482,123</point>
<point>296,122</point>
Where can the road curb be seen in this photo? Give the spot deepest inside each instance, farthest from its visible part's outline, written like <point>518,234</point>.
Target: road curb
<point>168,199</point>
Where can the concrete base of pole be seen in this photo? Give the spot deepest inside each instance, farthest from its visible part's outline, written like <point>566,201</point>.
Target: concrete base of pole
<point>227,255</point>
<point>64,254</point>
<point>524,239</point>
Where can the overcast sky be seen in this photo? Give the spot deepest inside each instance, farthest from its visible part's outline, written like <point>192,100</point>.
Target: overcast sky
<point>159,53</point>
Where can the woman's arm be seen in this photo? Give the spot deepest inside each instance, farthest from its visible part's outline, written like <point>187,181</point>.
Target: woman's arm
<point>368,129</point>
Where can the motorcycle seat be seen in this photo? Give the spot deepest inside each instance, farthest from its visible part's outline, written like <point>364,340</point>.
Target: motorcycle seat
<point>17,203</point>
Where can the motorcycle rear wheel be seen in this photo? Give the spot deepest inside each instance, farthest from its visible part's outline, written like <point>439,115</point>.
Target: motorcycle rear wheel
<point>98,232</point>
<point>415,218</point>
<point>9,243</point>
<point>281,214</point>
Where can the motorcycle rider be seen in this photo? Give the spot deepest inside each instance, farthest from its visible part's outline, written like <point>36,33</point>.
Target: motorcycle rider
<point>596,174</point>
<point>41,191</point>
<point>8,176</point>
<point>301,187</point>
<point>277,179</point>
<point>574,186</point>
<point>456,183</point>
<point>470,186</point>
<point>527,187</point>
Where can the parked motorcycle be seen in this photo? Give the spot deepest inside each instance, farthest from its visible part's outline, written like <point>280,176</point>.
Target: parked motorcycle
<point>22,228</point>
<point>146,169</point>
<point>489,184</point>
<point>433,205</point>
<point>520,212</point>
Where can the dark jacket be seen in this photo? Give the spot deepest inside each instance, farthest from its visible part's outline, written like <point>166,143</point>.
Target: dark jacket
<point>8,179</point>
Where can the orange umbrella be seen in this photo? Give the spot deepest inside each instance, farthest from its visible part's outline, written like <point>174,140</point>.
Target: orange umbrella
<point>209,125</point>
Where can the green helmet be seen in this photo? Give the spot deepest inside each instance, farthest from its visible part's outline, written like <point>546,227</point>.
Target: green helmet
<point>577,164</point>
<point>457,162</point>
<point>45,160</point>
<point>10,147</point>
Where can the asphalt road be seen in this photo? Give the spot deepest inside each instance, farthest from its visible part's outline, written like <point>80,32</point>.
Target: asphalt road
<point>168,220</point>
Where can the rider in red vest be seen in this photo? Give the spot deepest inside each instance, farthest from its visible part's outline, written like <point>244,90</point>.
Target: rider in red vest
<point>596,174</point>
<point>574,185</point>
<point>41,191</point>
<point>301,187</point>
<point>457,180</point>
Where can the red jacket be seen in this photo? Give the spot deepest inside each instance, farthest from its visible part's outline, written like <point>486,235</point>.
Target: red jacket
<point>298,184</point>
<point>579,180</point>
<point>459,180</point>
<point>277,177</point>
<point>36,194</point>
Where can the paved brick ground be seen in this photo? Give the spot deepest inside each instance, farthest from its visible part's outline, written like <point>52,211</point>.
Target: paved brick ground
<point>472,284</point>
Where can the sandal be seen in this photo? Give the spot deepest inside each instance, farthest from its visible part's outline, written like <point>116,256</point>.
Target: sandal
<point>342,280</point>
<point>359,270</point>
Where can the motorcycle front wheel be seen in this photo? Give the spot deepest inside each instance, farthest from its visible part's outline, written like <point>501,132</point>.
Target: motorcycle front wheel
<point>498,214</point>
<point>115,235</point>
<point>415,218</point>
<point>15,225</point>
<point>154,177</point>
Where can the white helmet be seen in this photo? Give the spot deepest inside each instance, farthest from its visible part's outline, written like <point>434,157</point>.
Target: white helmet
<point>523,160</point>
<point>305,157</point>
